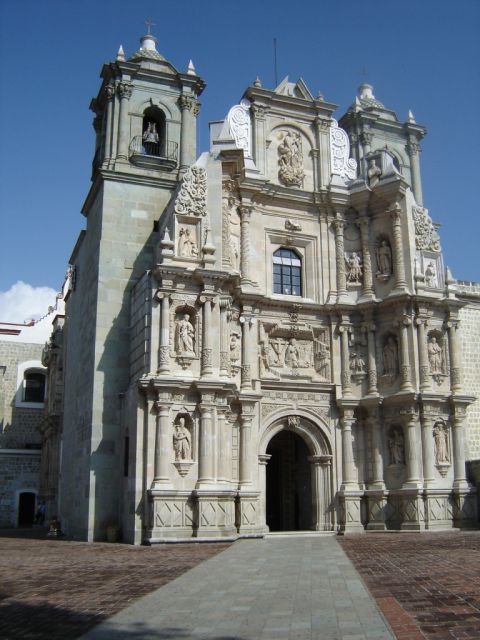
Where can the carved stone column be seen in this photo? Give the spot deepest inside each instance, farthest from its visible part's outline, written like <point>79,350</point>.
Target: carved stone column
<point>399,270</point>
<point>370,328</point>
<point>349,472</point>
<point>322,127</point>
<point>224,338</point>
<point>458,445</point>
<point>344,331</point>
<point>258,136</point>
<point>263,459</point>
<point>163,445</point>
<point>339,226</point>
<point>427,451</point>
<point>249,349</point>
<point>413,150</point>
<point>421,323</point>
<point>206,455</point>
<point>321,492</point>
<point>453,329</point>
<point>373,423</point>
<point>245,215</point>
<point>413,479</point>
<point>124,91</point>
<point>224,455</point>
<point>367,290</point>
<point>208,301</point>
<point>109,93</point>
<point>405,368</point>
<point>186,103</point>
<point>164,349</point>
<point>245,453</point>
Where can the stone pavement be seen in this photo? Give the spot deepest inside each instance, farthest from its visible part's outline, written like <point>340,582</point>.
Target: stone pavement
<point>272,589</point>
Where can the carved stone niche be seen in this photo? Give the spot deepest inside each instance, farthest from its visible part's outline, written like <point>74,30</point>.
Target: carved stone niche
<point>383,256</point>
<point>431,276</point>
<point>358,357</point>
<point>291,172</point>
<point>299,351</point>
<point>437,355</point>
<point>187,237</point>
<point>185,332</point>
<point>182,442</point>
<point>441,437</point>
<point>389,359</point>
<point>396,449</point>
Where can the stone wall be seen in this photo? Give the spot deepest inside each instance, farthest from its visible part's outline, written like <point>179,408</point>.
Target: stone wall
<point>18,472</point>
<point>470,324</point>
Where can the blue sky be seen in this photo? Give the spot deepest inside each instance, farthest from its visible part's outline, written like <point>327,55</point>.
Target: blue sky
<point>422,56</point>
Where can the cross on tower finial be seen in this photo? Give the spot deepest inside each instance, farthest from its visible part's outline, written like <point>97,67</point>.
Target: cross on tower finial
<point>364,74</point>
<point>148,24</point>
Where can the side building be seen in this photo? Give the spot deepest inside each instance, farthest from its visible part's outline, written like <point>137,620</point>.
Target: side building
<point>264,337</point>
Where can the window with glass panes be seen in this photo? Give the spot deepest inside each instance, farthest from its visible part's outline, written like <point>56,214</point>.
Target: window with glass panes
<point>287,273</point>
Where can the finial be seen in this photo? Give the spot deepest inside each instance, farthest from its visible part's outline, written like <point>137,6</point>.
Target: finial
<point>411,117</point>
<point>358,104</point>
<point>191,69</point>
<point>365,91</point>
<point>320,96</point>
<point>148,24</point>
<point>257,82</point>
<point>120,54</point>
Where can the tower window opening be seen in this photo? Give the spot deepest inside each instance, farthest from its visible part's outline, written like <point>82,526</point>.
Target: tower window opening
<point>153,132</point>
<point>287,273</point>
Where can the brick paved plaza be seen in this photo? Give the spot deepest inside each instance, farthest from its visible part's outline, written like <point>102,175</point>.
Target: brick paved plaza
<point>426,585</point>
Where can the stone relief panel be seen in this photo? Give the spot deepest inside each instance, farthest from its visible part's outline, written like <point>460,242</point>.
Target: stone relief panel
<point>426,236</point>
<point>341,164</point>
<point>192,197</point>
<point>187,241</point>
<point>290,158</point>
<point>173,513</point>
<point>300,352</point>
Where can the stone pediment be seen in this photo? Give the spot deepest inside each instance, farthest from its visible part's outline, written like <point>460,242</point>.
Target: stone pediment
<point>294,89</point>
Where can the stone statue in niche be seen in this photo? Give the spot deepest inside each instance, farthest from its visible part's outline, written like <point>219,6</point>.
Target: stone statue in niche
<point>182,444</point>
<point>235,349</point>
<point>354,267</point>
<point>187,248</point>
<point>390,357</point>
<point>440,436</point>
<point>357,364</point>
<point>150,139</point>
<point>396,446</point>
<point>435,356</point>
<point>292,354</point>
<point>374,172</point>
<point>384,259</point>
<point>322,358</point>
<point>185,336</point>
<point>290,160</point>
<point>430,275</point>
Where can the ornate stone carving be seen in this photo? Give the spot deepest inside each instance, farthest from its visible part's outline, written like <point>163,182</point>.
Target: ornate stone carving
<point>109,91</point>
<point>426,236</point>
<point>206,358</point>
<point>373,174</point>
<point>436,356</point>
<point>293,422</point>
<point>187,102</point>
<point>291,225</point>
<point>182,441</point>
<point>384,259</point>
<point>163,354</point>
<point>235,351</point>
<point>291,355</point>
<point>290,159</point>
<point>358,367</point>
<point>390,358</point>
<point>125,89</point>
<point>440,435</point>
<point>187,247</point>
<point>192,197</point>
<point>238,119</point>
<point>341,163</point>
<point>185,336</point>
<point>354,267</point>
<point>266,360</point>
<point>431,275</point>
<point>321,355</point>
<point>396,446</point>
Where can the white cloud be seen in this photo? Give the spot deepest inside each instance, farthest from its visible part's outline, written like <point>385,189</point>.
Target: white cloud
<point>22,302</point>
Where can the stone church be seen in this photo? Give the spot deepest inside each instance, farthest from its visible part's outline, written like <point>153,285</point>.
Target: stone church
<point>262,337</point>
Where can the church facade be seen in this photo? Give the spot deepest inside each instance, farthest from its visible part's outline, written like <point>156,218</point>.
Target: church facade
<point>264,337</point>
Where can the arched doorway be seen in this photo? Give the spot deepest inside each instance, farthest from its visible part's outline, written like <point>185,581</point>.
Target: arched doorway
<point>26,509</point>
<point>288,484</point>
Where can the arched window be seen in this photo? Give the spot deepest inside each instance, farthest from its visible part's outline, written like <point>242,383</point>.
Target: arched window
<point>153,132</point>
<point>287,272</point>
<point>33,386</point>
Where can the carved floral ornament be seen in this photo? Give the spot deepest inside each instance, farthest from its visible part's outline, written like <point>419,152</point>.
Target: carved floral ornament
<point>426,236</point>
<point>290,158</point>
<point>341,163</point>
<point>192,197</point>
<point>238,120</point>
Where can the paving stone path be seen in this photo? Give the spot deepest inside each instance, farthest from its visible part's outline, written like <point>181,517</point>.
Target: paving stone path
<point>272,589</point>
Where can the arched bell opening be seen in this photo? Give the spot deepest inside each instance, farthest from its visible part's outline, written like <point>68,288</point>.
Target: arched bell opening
<point>153,132</point>
<point>288,484</point>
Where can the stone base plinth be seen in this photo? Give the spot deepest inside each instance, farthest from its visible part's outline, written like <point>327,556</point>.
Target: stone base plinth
<point>351,512</point>
<point>376,510</point>
<point>248,517</point>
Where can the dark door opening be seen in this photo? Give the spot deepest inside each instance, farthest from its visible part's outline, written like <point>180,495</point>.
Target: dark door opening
<point>288,484</point>
<point>26,509</point>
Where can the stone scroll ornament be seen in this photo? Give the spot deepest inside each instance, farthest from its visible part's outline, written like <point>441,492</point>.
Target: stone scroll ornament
<point>426,236</point>
<point>290,160</point>
<point>341,163</point>
<point>238,119</point>
<point>192,197</point>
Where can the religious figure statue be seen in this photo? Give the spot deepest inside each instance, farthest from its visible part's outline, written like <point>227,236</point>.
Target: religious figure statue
<point>182,441</point>
<point>389,357</point>
<point>357,363</point>
<point>265,353</point>
<point>187,248</point>
<point>234,347</point>
<point>396,447</point>
<point>430,275</point>
<point>150,138</point>
<point>290,160</point>
<point>354,267</point>
<point>185,336</point>
<point>435,355</point>
<point>374,172</point>
<point>292,354</point>
<point>441,443</point>
<point>322,358</point>
<point>384,259</point>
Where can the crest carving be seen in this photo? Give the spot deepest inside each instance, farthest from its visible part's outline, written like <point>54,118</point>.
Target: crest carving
<point>426,236</point>
<point>290,159</point>
<point>192,197</point>
<point>341,163</point>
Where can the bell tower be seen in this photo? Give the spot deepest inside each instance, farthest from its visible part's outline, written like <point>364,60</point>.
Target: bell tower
<point>145,126</point>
